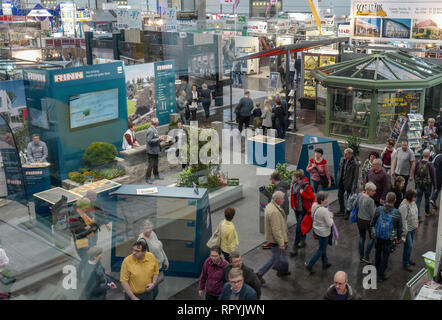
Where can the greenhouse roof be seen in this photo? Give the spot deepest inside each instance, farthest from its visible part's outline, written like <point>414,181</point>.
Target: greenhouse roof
<point>390,70</point>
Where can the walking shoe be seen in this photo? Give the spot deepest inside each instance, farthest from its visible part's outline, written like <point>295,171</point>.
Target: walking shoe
<point>301,244</point>
<point>294,252</point>
<point>366,260</point>
<point>427,214</point>
<point>309,268</point>
<point>326,266</point>
<point>361,259</point>
<point>148,180</point>
<point>412,263</point>
<point>266,245</point>
<point>421,219</point>
<point>261,279</point>
<point>283,274</point>
<point>347,215</point>
<point>433,203</point>
<point>408,268</point>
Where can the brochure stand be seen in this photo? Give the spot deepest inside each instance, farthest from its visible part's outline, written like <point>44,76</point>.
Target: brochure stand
<point>414,134</point>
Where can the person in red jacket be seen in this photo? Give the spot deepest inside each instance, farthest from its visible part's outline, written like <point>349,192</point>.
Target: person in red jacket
<point>212,276</point>
<point>301,198</point>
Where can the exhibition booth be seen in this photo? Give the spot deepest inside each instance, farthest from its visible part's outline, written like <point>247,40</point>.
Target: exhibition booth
<point>366,96</point>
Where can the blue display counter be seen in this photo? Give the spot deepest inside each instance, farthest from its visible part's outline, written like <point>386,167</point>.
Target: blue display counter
<point>265,151</point>
<point>181,220</point>
<point>37,178</point>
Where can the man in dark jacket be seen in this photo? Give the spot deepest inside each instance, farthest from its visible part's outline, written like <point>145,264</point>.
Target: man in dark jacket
<point>381,179</point>
<point>249,274</point>
<point>425,180</point>
<point>153,149</point>
<point>383,241</point>
<point>437,163</point>
<point>245,107</point>
<point>281,185</point>
<point>347,179</point>
<point>236,289</point>
<point>341,290</point>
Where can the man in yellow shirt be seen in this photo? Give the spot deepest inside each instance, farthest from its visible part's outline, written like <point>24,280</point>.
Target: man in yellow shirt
<point>139,273</point>
<point>229,237</point>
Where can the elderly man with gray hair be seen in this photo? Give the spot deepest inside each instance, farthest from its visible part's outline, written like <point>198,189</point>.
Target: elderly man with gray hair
<point>341,290</point>
<point>153,149</point>
<point>381,179</point>
<point>276,233</point>
<point>348,175</point>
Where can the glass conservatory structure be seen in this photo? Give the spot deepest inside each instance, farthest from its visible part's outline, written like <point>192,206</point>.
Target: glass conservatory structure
<point>366,95</point>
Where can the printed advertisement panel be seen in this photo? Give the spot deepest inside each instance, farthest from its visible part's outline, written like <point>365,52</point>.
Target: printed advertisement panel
<point>406,19</point>
<point>165,91</point>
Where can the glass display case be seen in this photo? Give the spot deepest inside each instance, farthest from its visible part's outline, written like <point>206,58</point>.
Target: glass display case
<point>180,217</point>
<point>312,61</point>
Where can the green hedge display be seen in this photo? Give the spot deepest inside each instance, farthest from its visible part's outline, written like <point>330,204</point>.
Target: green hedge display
<point>99,153</point>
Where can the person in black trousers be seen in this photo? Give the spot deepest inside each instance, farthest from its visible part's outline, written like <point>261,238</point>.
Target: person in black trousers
<point>244,110</point>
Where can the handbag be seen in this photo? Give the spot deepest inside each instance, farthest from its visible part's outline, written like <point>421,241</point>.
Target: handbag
<point>324,180</point>
<point>354,213</point>
<point>215,239</point>
<point>307,223</point>
<point>281,263</point>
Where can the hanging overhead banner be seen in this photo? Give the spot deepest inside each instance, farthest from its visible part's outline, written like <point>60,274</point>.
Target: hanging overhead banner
<point>257,26</point>
<point>397,19</point>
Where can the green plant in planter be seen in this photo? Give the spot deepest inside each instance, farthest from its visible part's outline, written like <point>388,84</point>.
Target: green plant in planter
<point>354,143</point>
<point>99,153</point>
<point>286,175</point>
<point>270,188</point>
<point>77,177</point>
<point>186,178</point>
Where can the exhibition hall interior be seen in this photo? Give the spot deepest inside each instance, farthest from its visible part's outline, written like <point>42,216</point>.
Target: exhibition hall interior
<point>220,150</point>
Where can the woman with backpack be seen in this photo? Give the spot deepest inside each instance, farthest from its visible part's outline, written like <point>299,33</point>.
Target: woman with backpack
<point>322,224</point>
<point>318,167</point>
<point>366,211</point>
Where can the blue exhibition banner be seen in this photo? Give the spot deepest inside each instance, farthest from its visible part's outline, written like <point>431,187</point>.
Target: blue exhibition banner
<point>165,96</point>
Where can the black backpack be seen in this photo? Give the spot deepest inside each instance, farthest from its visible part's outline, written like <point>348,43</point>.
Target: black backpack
<point>422,176</point>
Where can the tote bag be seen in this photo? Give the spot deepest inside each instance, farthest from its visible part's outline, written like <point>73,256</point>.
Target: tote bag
<point>281,263</point>
<point>215,239</point>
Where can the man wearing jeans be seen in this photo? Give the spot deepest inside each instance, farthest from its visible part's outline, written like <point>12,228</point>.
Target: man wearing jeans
<point>425,179</point>
<point>384,241</point>
<point>276,233</point>
<point>348,174</point>
<point>404,163</point>
<point>410,224</point>
<point>153,149</point>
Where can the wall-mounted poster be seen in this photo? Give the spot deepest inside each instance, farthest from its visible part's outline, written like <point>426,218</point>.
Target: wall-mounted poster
<point>367,27</point>
<point>396,28</point>
<point>427,29</point>
<point>140,90</point>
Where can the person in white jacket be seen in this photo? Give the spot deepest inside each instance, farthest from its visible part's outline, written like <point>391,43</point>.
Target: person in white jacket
<point>322,223</point>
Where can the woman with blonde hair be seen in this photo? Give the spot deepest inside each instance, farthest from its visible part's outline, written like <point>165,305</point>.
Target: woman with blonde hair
<point>155,247</point>
<point>266,116</point>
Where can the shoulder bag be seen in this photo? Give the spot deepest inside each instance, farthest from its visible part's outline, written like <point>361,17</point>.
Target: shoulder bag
<point>215,239</point>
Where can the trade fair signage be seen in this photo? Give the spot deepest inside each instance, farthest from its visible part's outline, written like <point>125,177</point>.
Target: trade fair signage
<point>164,90</point>
<point>128,19</point>
<point>394,19</point>
<point>257,26</point>
<point>83,15</point>
<point>343,30</point>
<point>7,8</point>
<point>171,21</point>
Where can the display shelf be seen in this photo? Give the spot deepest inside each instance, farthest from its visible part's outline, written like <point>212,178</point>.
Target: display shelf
<point>414,134</point>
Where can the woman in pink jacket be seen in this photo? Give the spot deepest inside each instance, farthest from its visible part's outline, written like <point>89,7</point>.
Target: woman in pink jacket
<point>212,276</point>
<point>317,167</point>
